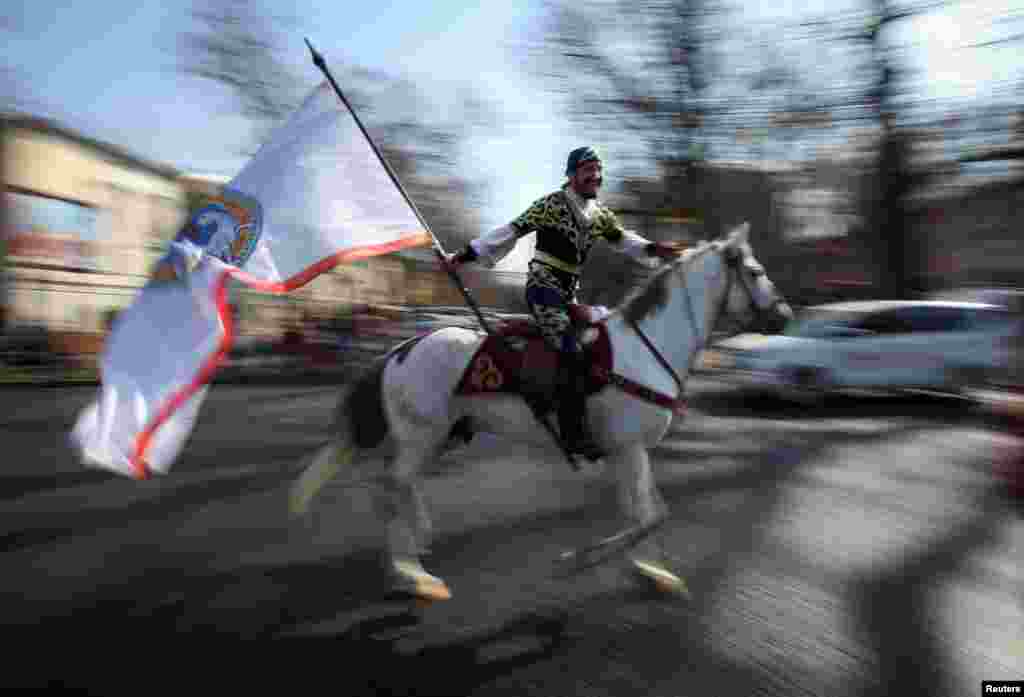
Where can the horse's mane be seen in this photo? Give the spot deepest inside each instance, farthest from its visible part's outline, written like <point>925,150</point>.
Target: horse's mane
<point>653,294</point>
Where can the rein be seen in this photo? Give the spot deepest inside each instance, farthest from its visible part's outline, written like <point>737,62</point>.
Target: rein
<point>678,403</point>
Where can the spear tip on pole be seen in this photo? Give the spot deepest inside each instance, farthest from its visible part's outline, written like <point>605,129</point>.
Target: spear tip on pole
<point>318,60</point>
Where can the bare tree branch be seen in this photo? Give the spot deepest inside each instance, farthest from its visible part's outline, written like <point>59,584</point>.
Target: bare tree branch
<point>999,42</point>
<point>234,45</point>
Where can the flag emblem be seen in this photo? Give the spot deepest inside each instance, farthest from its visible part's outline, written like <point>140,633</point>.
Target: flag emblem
<point>226,226</point>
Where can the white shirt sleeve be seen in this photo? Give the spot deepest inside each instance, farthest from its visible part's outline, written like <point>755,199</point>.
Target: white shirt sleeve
<point>493,246</point>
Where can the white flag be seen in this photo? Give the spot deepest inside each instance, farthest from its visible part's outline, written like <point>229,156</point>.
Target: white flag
<point>314,196</point>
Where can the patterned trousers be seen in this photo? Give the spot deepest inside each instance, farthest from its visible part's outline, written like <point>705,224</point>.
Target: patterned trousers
<point>548,295</point>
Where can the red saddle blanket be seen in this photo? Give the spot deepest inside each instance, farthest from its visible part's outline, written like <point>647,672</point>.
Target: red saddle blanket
<point>517,350</point>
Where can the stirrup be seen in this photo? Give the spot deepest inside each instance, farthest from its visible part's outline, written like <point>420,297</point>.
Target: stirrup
<point>586,447</point>
<point>591,451</point>
<point>583,442</point>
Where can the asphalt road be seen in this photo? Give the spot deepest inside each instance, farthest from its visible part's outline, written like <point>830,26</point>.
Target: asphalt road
<point>861,547</point>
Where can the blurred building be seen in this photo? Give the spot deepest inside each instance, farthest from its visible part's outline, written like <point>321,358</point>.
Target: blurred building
<point>800,225</point>
<point>82,222</point>
<point>970,234</point>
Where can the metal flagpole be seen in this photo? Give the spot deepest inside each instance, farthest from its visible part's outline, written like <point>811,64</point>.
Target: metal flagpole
<point>318,61</point>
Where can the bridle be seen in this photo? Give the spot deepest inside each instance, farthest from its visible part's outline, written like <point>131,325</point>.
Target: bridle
<point>733,259</point>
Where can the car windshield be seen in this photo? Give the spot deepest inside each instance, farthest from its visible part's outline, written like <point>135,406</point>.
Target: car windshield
<point>819,323</point>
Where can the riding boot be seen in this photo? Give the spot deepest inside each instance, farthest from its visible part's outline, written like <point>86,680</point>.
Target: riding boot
<point>572,413</point>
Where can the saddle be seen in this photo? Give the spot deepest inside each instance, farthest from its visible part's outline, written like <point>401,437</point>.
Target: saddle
<point>517,360</point>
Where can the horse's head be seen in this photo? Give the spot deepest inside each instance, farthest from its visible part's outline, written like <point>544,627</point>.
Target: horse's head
<point>751,303</point>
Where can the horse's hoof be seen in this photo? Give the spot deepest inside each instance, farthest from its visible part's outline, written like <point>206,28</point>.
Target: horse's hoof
<point>431,592</point>
<point>663,579</point>
<point>416,581</point>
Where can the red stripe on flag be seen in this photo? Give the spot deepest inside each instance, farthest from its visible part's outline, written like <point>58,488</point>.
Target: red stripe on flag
<point>303,277</point>
<point>142,443</point>
<point>142,470</point>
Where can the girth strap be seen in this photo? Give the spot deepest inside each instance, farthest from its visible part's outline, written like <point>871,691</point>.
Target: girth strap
<point>676,404</point>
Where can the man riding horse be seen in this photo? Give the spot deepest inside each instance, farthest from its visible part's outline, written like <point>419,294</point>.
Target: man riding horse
<point>568,222</point>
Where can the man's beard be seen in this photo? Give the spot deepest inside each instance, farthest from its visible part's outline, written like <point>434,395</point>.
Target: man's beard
<point>592,194</point>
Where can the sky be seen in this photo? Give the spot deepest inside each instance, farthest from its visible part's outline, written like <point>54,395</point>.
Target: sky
<point>108,70</point>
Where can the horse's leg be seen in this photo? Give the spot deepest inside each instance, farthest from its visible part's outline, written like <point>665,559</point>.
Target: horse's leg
<point>399,505</point>
<point>638,496</point>
<point>416,400</point>
<point>643,506</point>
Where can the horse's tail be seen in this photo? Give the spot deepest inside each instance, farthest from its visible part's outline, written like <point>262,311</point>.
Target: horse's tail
<point>359,423</point>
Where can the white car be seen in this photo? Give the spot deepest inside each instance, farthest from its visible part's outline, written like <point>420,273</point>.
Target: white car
<point>873,346</point>
<point>1011,299</point>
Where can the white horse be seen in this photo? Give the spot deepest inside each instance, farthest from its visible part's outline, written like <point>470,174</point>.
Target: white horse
<point>654,336</point>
